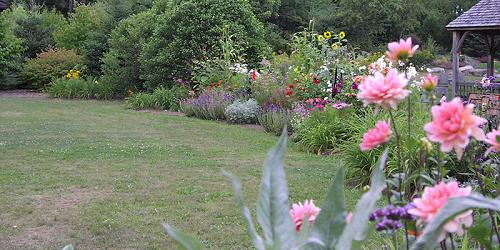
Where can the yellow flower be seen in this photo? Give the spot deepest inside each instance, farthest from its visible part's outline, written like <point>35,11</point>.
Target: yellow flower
<point>327,34</point>
<point>342,35</point>
<point>321,38</point>
<point>335,46</point>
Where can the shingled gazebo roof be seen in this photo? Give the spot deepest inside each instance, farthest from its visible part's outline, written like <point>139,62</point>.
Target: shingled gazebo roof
<point>4,4</point>
<point>485,15</point>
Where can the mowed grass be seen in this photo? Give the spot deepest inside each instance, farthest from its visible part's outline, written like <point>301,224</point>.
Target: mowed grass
<point>97,175</point>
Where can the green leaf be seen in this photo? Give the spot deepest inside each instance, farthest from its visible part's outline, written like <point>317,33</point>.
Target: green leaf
<point>356,230</point>
<point>273,209</point>
<point>185,241</point>
<point>257,240</point>
<point>465,242</point>
<point>331,221</point>
<point>68,247</point>
<point>452,208</point>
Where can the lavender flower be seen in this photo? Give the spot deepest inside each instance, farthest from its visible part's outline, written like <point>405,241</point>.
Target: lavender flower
<point>388,224</point>
<point>388,218</point>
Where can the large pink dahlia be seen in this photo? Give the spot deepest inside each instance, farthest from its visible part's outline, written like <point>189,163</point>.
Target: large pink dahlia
<point>385,91</point>
<point>434,198</point>
<point>452,125</point>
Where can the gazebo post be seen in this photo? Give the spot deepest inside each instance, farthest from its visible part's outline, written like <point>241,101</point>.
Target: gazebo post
<point>458,42</point>
<point>490,41</point>
<point>454,62</point>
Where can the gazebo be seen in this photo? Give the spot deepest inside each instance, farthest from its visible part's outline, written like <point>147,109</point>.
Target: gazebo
<point>483,18</point>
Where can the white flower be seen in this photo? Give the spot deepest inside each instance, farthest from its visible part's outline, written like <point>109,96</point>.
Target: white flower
<point>411,72</point>
<point>362,68</point>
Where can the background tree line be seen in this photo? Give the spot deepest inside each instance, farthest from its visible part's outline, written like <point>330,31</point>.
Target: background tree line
<point>369,24</point>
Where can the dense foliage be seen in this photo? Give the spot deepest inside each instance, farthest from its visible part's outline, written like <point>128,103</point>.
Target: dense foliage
<point>121,66</point>
<point>36,28</point>
<point>10,47</point>
<point>79,88</point>
<point>162,98</point>
<point>192,31</point>
<point>50,65</point>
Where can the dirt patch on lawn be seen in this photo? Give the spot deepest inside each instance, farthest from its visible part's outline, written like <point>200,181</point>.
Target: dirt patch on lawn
<point>53,222</point>
<point>166,112</point>
<point>254,127</point>
<point>23,93</point>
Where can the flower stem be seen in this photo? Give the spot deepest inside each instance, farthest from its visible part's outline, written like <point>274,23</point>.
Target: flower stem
<point>438,167</point>
<point>452,242</point>
<point>398,146</point>
<point>400,181</point>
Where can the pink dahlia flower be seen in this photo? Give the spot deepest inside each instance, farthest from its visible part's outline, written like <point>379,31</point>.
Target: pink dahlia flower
<point>385,91</point>
<point>429,82</point>
<point>493,138</point>
<point>376,136</point>
<point>401,50</point>
<point>300,211</point>
<point>433,199</point>
<point>452,125</point>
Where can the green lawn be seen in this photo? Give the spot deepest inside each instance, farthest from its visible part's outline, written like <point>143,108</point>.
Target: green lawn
<point>100,176</point>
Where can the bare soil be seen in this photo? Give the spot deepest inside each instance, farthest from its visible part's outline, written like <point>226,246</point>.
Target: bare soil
<point>23,93</point>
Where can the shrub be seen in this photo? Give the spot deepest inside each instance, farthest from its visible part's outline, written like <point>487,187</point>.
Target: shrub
<point>11,48</point>
<point>36,30</point>
<point>74,33</point>
<point>209,106</point>
<point>79,88</point>
<point>274,119</point>
<point>96,43</point>
<point>324,130</point>
<point>49,65</point>
<point>121,66</point>
<point>242,112</point>
<point>192,32</point>
<point>162,98</point>
<point>422,58</point>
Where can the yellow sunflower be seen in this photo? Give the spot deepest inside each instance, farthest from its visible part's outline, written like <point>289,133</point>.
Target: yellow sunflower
<point>342,35</point>
<point>327,34</point>
<point>335,46</point>
<point>320,38</point>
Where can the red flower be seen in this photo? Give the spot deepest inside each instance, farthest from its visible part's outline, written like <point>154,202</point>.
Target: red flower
<point>316,80</point>
<point>289,93</point>
<point>290,86</point>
